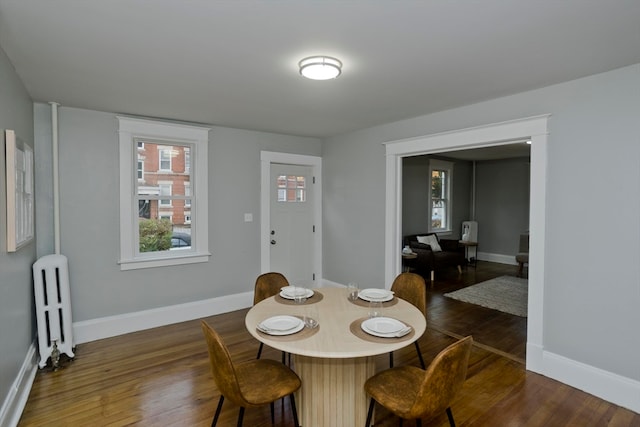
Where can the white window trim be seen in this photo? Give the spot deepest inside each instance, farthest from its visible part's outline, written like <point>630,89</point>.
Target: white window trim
<point>435,164</point>
<point>129,130</point>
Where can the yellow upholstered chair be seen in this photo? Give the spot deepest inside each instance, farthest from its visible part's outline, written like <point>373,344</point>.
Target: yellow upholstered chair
<point>248,384</point>
<point>412,288</point>
<point>268,285</point>
<point>412,393</point>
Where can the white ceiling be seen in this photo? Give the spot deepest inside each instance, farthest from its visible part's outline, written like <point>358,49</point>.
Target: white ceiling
<point>234,63</point>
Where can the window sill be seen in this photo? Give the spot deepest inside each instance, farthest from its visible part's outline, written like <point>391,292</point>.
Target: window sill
<point>135,264</point>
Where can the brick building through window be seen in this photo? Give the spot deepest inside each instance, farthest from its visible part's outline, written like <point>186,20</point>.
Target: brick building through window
<point>164,174</point>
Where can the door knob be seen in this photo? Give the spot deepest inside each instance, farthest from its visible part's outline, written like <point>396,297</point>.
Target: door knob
<point>273,242</point>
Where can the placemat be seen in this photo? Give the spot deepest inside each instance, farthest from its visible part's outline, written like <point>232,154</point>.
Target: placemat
<point>316,297</point>
<point>304,333</point>
<point>356,330</point>
<point>363,303</point>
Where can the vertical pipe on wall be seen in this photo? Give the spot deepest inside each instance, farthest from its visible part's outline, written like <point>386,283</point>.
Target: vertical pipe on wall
<point>473,191</point>
<point>56,187</point>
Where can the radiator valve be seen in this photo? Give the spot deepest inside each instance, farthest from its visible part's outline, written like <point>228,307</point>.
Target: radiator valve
<point>55,356</point>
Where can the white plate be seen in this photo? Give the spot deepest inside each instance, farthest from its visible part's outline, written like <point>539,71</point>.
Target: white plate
<point>375,294</point>
<point>291,293</point>
<point>384,327</point>
<point>281,325</point>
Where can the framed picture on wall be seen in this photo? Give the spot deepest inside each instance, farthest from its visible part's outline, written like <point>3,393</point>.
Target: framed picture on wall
<point>20,197</point>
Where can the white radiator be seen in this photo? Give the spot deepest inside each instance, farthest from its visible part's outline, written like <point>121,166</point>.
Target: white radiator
<point>53,308</point>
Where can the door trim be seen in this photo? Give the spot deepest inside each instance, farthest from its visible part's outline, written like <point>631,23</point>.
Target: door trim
<point>267,158</point>
<point>533,128</point>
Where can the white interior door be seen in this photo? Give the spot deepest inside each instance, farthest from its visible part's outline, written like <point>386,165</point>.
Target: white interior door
<point>291,230</point>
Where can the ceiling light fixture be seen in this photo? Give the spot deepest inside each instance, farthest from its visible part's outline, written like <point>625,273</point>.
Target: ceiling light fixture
<point>320,67</point>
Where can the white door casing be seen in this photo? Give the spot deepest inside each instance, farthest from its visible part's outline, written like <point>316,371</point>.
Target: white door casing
<point>533,128</point>
<point>267,160</point>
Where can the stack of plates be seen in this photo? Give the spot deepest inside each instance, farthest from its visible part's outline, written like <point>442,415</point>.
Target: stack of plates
<point>281,325</point>
<point>385,327</point>
<point>290,292</point>
<point>375,294</point>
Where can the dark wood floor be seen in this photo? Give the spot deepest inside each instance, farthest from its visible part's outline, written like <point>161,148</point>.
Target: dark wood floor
<point>160,377</point>
<point>500,332</point>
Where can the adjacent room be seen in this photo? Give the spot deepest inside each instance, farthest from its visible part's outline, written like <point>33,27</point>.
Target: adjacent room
<point>160,157</point>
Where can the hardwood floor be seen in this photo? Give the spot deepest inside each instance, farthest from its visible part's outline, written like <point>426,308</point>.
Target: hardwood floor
<point>161,377</point>
<point>501,332</point>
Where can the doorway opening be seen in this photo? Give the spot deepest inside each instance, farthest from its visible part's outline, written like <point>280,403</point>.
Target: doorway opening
<point>534,129</point>
<point>483,192</point>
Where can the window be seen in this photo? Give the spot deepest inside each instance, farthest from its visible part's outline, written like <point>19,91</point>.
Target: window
<point>292,188</point>
<point>164,156</point>
<point>153,211</point>
<point>187,192</point>
<point>140,168</point>
<point>440,175</point>
<point>165,190</point>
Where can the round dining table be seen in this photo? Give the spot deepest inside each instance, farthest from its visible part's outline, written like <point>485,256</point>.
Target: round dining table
<point>334,359</point>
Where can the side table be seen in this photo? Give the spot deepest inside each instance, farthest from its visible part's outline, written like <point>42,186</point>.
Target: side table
<point>468,244</point>
<point>407,260</point>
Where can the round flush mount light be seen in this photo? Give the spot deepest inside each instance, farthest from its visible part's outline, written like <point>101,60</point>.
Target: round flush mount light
<point>320,67</point>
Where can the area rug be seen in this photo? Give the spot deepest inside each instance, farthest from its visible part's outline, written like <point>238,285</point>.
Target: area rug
<point>505,293</point>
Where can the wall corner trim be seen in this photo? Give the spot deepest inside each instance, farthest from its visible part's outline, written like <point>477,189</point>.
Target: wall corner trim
<point>16,399</point>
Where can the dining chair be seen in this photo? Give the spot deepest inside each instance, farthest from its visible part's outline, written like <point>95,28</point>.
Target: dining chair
<point>268,285</point>
<point>412,288</point>
<point>413,393</point>
<point>248,384</point>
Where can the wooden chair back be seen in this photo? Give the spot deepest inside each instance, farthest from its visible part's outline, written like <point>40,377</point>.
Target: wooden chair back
<point>444,378</point>
<point>412,288</point>
<point>224,373</point>
<point>268,285</point>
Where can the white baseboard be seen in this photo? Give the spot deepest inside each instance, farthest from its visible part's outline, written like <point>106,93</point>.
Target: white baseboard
<point>606,385</point>
<point>329,284</point>
<point>16,399</point>
<point>105,327</point>
<point>111,326</point>
<point>499,258</point>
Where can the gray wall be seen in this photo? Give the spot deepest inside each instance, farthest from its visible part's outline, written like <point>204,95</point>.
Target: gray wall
<point>591,293</point>
<point>89,194</point>
<point>17,330</point>
<point>502,204</point>
<point>416,192</point>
